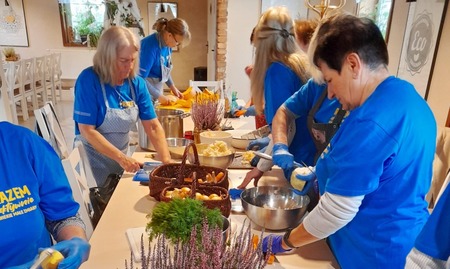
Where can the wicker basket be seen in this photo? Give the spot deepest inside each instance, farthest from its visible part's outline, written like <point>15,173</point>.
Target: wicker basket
<point>223,205</point>
<point>164,175</point>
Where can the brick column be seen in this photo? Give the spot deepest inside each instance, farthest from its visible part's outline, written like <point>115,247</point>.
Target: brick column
<point>221,46</point>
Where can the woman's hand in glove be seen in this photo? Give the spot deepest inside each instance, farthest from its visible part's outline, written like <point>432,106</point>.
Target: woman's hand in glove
<point>250,111</point>
<point>282,157</point>
<point>276,244</point>
<point>75,251</point>
<point>259,143</point>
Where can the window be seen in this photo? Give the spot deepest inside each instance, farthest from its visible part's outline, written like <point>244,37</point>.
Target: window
<point>81,21</point>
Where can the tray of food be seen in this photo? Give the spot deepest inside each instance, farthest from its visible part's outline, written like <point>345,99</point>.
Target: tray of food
<point>242,160</point>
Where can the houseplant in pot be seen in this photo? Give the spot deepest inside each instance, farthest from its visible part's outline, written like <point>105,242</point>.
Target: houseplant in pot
<point>198,246</point>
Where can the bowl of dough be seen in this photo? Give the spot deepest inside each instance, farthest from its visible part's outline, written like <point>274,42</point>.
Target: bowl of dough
<point>217,154</point>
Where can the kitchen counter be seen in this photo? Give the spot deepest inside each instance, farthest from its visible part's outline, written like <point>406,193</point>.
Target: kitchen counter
<point>131,202</point>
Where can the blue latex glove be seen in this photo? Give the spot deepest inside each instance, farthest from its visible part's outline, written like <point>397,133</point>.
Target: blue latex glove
<point>75,251</point>
<point>250,111</point>
<point>235,193</point>
<point>276,244</point>
<point>304,181</point>
<point>282,157</point>
<point>258,143</point>
<point>255,160</point>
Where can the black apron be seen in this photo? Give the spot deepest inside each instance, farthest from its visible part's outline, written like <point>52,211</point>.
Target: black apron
<point>322,133</point>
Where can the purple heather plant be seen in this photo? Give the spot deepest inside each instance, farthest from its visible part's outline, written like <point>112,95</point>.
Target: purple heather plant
<point>208,253</point>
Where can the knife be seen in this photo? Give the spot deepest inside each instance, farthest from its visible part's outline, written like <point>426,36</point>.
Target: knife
<point>268,157</point>
<point>258,133</point>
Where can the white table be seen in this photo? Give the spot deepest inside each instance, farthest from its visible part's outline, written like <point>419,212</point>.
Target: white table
<point>131,203</point>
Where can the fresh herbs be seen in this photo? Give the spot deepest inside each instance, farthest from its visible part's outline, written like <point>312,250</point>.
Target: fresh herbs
<point>177,218</point>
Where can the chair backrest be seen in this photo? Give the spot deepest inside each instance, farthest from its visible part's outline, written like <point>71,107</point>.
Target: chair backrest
<point>56,66</point>
<point>75,172</point>
<point>49,128</point>
<point>27,74</point>
<point>215,86</point>
<point>5,107</point>
<point>87,167</point>
<point>39,67</point>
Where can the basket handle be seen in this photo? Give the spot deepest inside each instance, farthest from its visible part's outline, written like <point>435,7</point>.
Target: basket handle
<point>194,185</point>
<point>183,161</point>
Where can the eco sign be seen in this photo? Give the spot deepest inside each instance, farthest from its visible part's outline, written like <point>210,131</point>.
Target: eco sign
<point>419,43</point>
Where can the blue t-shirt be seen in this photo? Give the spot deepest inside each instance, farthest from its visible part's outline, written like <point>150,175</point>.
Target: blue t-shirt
<point>434,239</point>
<point>150,57</point>
<point>90,107</point>
<point>384,150</point>
<point>33,188</point>
<point>280,83</point>
<point>300,104</point>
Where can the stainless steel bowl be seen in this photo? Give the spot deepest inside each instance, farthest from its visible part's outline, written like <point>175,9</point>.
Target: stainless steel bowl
<point>275,208</point>
<point>216,161</point>
<point>177,146</point>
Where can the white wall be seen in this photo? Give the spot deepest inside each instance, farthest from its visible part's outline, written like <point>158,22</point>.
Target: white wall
<point>242,16</point>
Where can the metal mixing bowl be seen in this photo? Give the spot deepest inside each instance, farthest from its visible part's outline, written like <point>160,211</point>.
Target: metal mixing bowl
<point>275,208</point>
<point>215,161</point>
<point>177,146</point>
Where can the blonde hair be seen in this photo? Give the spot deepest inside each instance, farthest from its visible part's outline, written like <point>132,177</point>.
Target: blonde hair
<point>105,59</point>
<point>274,40</point>
<point>174,26</point>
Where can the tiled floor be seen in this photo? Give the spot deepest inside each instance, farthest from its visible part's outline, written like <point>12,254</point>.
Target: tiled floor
<point>64,111</point>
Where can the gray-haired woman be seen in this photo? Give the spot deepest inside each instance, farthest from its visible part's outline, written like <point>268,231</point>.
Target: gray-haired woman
<point>109,99</point>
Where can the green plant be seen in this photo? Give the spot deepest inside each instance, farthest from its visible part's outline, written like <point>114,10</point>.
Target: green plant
<point>177,218</point>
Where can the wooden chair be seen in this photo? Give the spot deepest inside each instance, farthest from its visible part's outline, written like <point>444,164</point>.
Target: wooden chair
<point>56,74</point>
<point>27,82</point>
<point>75,172</point>
<point>49,128</point>
<point>13,71</point>
<point>51,92</point>
<point>39,81</point>
<point>5,107</point>
<point>215,86</point>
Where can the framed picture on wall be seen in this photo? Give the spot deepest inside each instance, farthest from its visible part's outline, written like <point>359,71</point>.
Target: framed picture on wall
<point>13,28</point>
<point>419,50</point>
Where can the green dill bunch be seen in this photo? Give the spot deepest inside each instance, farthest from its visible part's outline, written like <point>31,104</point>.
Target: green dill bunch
<point>177,218</point>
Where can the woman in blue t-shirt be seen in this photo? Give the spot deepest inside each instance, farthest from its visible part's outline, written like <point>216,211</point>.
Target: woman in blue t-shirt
<point>280,69</point>
<point>109,100</point>
<point>375,172</point>
<point>35,202</point>
<point>156,56</point>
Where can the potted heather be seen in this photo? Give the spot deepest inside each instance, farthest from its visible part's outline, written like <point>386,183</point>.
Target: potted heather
<point>200,246</point>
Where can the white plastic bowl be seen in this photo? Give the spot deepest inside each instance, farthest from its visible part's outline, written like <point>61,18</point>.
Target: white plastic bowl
<point>210,137</point>
<point>236,140</point>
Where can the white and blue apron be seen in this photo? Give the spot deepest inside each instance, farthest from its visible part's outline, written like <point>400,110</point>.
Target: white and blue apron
<point>115,128</point>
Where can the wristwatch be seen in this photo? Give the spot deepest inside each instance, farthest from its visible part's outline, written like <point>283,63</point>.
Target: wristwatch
<point>286,239</point>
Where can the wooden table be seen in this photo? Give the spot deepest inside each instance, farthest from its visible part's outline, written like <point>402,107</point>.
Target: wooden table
<point>131,203</point>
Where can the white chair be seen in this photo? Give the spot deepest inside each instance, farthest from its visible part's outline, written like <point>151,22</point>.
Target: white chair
<point>49,128</point>
<point>13,71</point>
<point>27,81</point>
<point>215,86</point>
<point>39,81</point>
<point>5,106</point>
<point>56,74</point>
<point>51,92</point>
<point>76,174</point>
